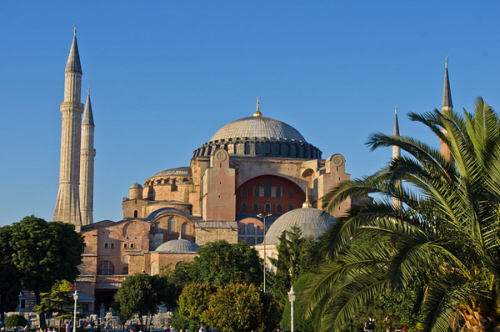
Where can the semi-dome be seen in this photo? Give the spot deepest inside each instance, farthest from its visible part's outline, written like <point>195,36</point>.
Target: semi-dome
<point>179,171</point>
<point>312,222</point>
<point>259,136</point>
<point>258,127</point>
<point>180,246</point>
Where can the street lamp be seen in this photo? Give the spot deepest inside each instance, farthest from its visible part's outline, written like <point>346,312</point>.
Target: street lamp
<point>291,297</point>
<point>20,300</point>
<point>75,297</point>
<point>263,217</point>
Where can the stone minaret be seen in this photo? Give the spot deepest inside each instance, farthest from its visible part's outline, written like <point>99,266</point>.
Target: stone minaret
<point>87,155</point>
<point>446,109</point>
<point>396,152</point>
<point>68,202</point>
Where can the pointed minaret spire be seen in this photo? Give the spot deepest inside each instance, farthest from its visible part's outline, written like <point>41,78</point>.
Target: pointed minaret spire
<point>68,198</point>
<point>257,109</point>
<point>395,149</point>
<point>396,152</point>
<point>447,104</point>
<point>87,164</point>
<point>446,109</point>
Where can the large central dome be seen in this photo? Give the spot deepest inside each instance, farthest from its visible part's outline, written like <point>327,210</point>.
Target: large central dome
<point>257,127</point>
<point>258,136</point>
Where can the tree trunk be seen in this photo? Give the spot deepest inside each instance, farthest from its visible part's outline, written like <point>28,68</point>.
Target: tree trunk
<point>38,299</point>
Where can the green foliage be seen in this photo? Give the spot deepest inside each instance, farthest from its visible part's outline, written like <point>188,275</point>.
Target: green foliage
<point>296,256</point>
<point>10,284</point>
<point>301,323</point>
<point>58,300</point>
<point>45,252</point>
<point>15,321</point>
<point>193,300</point>
<point>439,247</point>
<point>141,294</point>
<point>221,263</point>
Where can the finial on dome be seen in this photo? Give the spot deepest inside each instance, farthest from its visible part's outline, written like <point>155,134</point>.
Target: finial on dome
<point>257,109</point>
<point>74,30</point>
<point>307,204</point>
<point>446,63</point>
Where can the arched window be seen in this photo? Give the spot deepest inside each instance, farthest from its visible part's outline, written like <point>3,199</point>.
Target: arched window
<point>244,207</point>
<point>267,208</point>
<point>255,208</point>
<point>257,148</point>
<point>278,191</point>
<point>156,227</point>
<point>251,229</point>
<point>247,147</point>
<point>243,229</point>
<point>171,225</point>
<point>290,207</point>
<point>125,259</point>
<point>135,214</point>
<point>244,193</point>
<point>106,268</point>
<point>279,208</point>
<point>184,228</point>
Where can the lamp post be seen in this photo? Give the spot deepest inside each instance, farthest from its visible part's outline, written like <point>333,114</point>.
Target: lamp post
<point>263,217</point>
<point>291,297</point>
<point>75,297</point>
<point>20,300</point>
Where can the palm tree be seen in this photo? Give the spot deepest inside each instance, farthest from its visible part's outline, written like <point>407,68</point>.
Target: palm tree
<point>441,244</point>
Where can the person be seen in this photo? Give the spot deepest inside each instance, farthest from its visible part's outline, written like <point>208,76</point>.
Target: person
<point>403,329</point>
<point>68,327</point>
<point>202,329</point>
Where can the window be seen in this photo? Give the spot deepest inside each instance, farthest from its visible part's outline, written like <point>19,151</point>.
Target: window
<point>267,189</point>
<point>290,194</point>
<point>279,208</point>
<point>125,270</point>
<point>244,207</point>
<point>244,193</point>
<point>247,147</point>
<point>250,241</point>
<point>251,229</point>
<point>290,207</point>
<point>184,228</point>
<point>257,148</point>
<point>106,268</point>
<point>278,191</point>
<point>112,245</point>
<point>267,208</point>
<point>124,245</point>
<point>256,189</point>
<point>105,245</point>
<point>135,213</point>
<point>255,208</point>
<point>171,225</point>
<point>156,227</point>
<point>131,245</point>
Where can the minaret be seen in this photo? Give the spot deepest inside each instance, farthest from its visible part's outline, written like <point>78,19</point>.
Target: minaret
<point>87,155</point>
<point>68,202</point>
<point>446,109</point>
<point>396,152</point>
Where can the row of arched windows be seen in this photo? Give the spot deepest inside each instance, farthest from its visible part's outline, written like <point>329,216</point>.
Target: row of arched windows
<point>267,208</point>
<point>171,225</point>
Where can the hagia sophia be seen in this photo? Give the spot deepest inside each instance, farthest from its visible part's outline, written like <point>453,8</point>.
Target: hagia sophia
<point>255,177</point>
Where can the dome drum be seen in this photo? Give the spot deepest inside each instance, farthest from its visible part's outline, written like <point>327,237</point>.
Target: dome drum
<point>256,147</point>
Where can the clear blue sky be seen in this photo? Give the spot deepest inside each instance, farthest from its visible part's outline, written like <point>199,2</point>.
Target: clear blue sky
<point>166,75</point>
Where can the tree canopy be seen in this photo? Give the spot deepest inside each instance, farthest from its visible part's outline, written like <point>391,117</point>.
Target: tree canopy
<point>221,263</point>
<point>442,240</point>
<point>10,284</point>
<point>141,294</point>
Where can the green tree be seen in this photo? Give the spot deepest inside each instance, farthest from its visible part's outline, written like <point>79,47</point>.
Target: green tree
<point>141,294</point>
<point>15,321</point>
<point>296,256</point>
<point>10,285</point>
<point>301,323</point>
<point>235,307</point>
<point>58,300</point>
<point>443,240</point>
<point>221,263</point>
<point>193,301</point>
<point>45,252</point>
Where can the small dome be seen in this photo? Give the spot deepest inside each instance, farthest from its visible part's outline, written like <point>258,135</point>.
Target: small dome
<point>258,126</point>
<point>136,186</point>
<point>312,222</point>
<point>179,246</point>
